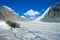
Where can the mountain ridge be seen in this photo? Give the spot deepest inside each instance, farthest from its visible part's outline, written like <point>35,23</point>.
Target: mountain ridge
<point>52,15</point>
<point>7,13</point>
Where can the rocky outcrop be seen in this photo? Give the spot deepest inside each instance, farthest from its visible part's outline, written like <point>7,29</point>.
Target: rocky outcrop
<point>13,24</point>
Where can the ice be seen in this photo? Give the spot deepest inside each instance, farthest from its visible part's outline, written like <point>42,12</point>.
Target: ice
<point>3,25</point>
<point>32,31</point>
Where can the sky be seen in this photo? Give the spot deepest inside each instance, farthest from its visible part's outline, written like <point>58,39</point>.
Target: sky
<point>28,8</point>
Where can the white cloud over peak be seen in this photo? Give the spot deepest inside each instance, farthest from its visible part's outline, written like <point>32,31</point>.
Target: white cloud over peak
<point>31,13</point>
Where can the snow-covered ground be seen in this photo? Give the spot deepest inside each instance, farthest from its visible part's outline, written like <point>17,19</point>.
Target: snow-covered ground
<point>32,31</point>
<point>3,25</point>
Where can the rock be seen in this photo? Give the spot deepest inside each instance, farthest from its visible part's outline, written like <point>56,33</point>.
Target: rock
<point>13,24</point>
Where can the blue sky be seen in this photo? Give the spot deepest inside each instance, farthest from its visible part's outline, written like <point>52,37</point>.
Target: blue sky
<point>23,6</point>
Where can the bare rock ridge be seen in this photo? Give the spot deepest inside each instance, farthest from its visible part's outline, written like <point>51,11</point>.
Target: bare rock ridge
<point>53,14</point>
<point>6,14</point>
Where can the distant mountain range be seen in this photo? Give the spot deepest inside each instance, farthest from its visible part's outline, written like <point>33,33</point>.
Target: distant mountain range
<point>7,13</point>
<point>52,14</point>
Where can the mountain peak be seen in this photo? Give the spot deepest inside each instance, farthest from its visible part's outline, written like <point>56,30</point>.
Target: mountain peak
<point>7,13</point>
<point>52,14</point>
<point>10,9</point>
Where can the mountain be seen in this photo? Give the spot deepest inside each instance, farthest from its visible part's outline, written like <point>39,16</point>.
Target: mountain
<point>52,14</point>
<point>7,13</point>
<point>28,30</point>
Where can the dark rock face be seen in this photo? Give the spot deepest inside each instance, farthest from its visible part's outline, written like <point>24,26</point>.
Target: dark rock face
<point>53,15</point>
<point>13,24</point>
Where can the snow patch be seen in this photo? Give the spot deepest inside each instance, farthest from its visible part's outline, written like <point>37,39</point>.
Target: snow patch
<point>43,14</point>
<point>3,25</point>
<point>10,9</point>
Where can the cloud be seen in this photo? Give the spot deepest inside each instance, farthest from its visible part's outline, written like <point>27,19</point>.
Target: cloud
<point>17,13</point>
<point>23,16</point>
<point>31,13</point>
<point>31,17</point>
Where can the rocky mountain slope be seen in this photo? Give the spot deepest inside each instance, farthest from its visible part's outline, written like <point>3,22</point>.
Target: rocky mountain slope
<point>7,14</point>
<point>52,14</point>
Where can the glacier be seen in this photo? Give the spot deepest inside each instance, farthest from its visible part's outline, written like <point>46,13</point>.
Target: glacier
<point>30,31</point>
